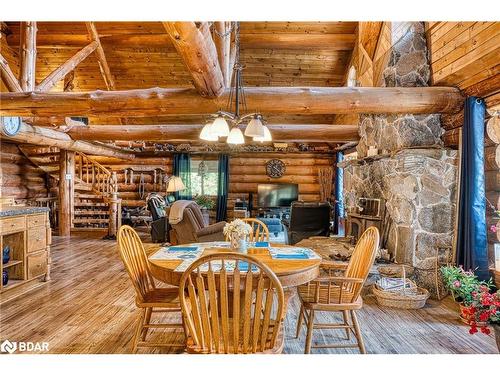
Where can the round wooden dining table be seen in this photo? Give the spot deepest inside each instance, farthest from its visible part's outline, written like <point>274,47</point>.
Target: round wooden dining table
<point>290,272</point>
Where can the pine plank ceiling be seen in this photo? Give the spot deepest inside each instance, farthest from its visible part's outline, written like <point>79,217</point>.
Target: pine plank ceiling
<point>140,55</point>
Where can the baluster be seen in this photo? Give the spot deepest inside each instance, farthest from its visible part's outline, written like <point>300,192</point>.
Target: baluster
<point>93,175</point>
<point>87,169</point>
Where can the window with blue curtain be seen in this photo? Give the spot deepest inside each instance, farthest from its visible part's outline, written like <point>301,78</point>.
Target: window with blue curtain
<point>223,187</point>
<point>182,169</point>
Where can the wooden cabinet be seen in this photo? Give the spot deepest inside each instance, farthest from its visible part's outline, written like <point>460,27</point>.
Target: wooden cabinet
<point>26,231</point>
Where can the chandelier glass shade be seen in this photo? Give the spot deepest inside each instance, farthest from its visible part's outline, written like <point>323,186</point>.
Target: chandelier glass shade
<point>236,137</point>
<point>207,135</point>
<point>255,128</point>
<point>266,137</point>
<point>220,127</point>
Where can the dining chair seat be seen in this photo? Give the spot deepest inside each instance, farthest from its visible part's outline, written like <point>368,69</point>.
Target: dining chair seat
<point>319,299</point>
<point>160,297</point>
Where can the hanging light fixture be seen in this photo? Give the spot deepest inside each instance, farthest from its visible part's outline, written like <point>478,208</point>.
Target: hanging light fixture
<point>266,137</point>
<point>226,123</point>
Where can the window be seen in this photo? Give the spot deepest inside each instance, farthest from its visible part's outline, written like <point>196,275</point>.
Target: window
<point>204,177</point>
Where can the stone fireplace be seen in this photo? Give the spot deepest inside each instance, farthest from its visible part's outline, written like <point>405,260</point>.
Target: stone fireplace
<point>410,171</point>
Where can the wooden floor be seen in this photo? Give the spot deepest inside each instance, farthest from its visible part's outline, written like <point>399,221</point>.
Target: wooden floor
<point>88,307</point>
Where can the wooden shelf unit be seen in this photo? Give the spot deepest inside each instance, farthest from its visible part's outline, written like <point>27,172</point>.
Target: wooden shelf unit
<point>29,238</point>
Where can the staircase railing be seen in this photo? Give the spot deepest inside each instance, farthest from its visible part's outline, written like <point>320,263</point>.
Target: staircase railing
<point>93,173</point>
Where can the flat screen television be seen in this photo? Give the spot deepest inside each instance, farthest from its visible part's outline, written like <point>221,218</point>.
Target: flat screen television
<point>277,195</point>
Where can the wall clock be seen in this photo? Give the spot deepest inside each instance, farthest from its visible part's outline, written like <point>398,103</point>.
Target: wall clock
<point>11,125</point>
<point>275,168</point>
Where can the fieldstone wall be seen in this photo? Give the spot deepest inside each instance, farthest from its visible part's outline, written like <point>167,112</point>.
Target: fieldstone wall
<point>413,173</point>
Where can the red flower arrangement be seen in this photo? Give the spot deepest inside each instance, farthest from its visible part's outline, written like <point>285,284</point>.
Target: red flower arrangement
<point>485,309</point>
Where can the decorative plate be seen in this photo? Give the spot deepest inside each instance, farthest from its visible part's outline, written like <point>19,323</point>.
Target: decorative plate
<point>275,168</point>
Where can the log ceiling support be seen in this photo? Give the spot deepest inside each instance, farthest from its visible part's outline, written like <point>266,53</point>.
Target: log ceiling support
<point>196,47</point>
<point>101,57</point>
<point>49,137</point>
<point>222,40</point>
<point>66,191</point>
<point>271,100</point>
<point>28,55</point>
<point>59,73</point>
<point>187,133</point>
<point>8,77</point>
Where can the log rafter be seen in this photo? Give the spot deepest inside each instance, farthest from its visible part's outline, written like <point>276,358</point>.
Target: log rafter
<point>49,137</point>
<point>8,77</point>
<point>67,67</point>
<point>271,100</point>
<point>101,57</point>
<point>188,133</point>
<point>28,55</point>
<point>196,47</point>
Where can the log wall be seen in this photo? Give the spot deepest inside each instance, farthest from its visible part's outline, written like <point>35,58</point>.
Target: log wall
<point>19,178</point>
<point>465,55</point>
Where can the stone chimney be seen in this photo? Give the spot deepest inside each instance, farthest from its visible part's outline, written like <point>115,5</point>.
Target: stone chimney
<point>412,171</point>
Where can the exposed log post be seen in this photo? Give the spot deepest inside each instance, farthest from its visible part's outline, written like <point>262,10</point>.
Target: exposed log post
<point>114,208</point>
<point>303,133</point>
<point>49,137</point>
<point>101,57</point>
<point>195,45</point>
<point>28,55</point>
<point>223,44</point>
<point>66,191</point>
<point>268,100</point>
<point>8,76</point>
<point>59,73</point>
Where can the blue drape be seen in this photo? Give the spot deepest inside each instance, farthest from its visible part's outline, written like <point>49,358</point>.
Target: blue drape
<point>339,191</point>
<point>222,187</point>
<point>472,245</point>
<point>182,168</point>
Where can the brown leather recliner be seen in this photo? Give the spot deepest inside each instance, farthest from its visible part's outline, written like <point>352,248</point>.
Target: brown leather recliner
<point>192,228</point>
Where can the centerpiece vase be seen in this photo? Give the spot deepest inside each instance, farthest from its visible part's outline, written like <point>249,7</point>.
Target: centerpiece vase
<point>238,244</point>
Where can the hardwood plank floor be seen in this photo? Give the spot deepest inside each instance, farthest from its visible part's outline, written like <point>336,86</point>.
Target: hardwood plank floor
<point>88,307</point>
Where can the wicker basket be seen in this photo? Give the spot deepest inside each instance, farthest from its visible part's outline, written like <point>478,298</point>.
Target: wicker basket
<point>403,298</point>
<point>395,270</point>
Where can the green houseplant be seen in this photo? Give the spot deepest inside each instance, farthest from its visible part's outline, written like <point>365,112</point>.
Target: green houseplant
<point>204,201</point>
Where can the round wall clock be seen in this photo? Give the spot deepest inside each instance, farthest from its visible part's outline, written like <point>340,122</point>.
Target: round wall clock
<point>275,168</point>
<point>11,125</point>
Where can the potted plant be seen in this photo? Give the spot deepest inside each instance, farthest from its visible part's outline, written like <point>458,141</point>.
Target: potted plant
<point>206,203</point>
<point>484,311</point>
<point>462,284</point>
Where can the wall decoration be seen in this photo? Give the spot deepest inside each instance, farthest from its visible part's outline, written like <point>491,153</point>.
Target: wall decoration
<point>275,168</point>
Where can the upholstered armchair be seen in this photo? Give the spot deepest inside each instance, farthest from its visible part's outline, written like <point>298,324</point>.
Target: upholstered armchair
<point>192,228</point>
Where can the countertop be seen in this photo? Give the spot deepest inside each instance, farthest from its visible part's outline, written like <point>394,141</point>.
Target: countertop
<point>6,211</point>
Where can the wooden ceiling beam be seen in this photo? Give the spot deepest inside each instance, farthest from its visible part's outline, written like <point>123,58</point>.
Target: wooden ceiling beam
<point>302,41</point>
<point>8,77</point>
<point>28,55</point>
<point>48,137</point>
<point>267,100</point>
<point>186,133</point>
<point>59,73</point>
<point>196,47</point>
<point>101,57</point>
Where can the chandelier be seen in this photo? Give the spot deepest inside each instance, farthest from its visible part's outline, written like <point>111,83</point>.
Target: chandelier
<point>227,123</point>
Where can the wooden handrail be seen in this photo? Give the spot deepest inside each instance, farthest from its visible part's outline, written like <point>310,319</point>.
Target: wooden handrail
<point>98,176</point>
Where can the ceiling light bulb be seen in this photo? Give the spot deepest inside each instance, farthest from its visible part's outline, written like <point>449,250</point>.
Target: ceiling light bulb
<point>235,137</point>
<point>255,128</point>
<point>220,127</point>
<point>207,135</point>
<point>266,138</point>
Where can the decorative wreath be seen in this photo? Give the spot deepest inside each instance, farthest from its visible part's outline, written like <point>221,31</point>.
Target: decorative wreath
<point>275,168</point>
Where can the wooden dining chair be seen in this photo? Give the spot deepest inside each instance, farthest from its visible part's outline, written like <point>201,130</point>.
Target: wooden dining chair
<point>149,298</point>
<point>339,294</point>
<point>232,303</point>
<point>260,232</point>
